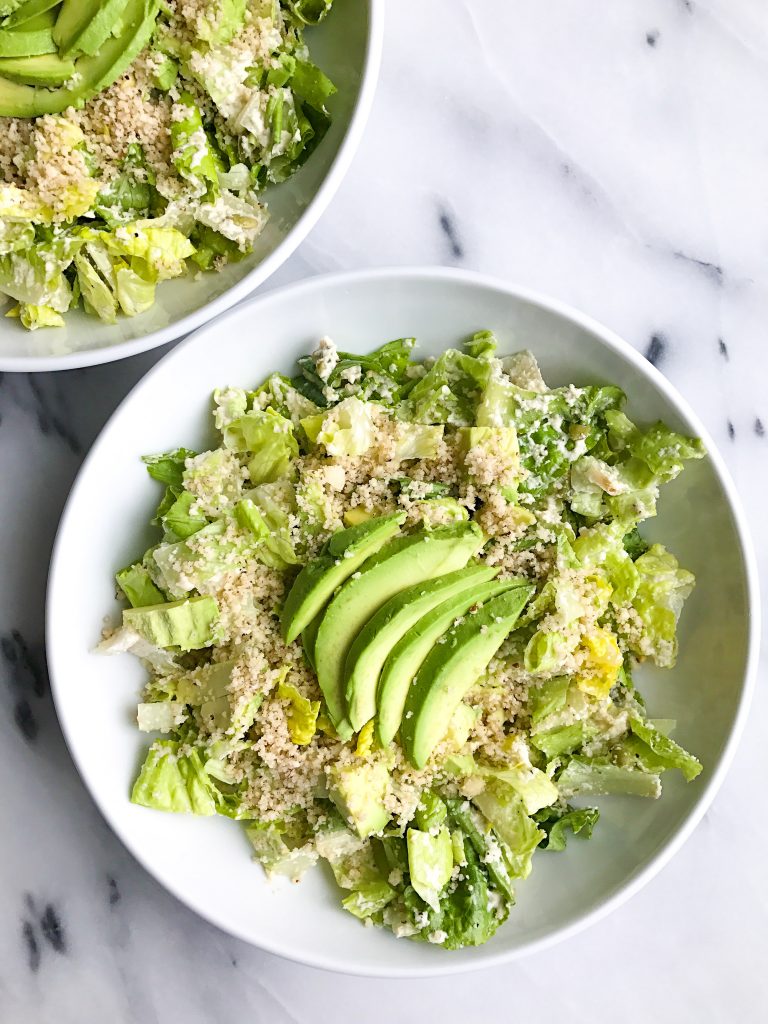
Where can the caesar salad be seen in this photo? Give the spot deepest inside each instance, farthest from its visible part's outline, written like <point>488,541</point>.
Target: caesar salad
<point>390,622</point>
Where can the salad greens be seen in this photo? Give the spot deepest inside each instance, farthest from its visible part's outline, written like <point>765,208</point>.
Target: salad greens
<point>391,619</point>
<point>151,155</point>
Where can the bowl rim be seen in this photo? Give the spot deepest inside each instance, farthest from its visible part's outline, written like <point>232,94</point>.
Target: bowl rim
<point>268,266</point>
<point>635,882</point>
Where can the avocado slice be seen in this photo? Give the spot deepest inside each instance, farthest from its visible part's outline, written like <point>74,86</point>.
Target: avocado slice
<point>94,73</point>
<point>401,563</point>
<point>29,40</point>
<point>452,667</point>
<point>407,655</point>
<point>344,554</point>
<point>84,25</point>
<point>309,639</point>
<point>380,634</point>
<point>29,9</point>
<point>43,69</point>
<point>358,790</point>
<point>189,624</point>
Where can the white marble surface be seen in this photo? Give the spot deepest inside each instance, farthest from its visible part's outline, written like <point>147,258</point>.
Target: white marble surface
<point>612,154</point>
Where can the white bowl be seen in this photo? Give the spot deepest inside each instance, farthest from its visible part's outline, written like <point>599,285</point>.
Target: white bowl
<point>347,45</point>
<point>206,862</point>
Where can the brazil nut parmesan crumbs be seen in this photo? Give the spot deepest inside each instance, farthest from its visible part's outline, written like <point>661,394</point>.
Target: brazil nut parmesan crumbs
<point>391,622</point>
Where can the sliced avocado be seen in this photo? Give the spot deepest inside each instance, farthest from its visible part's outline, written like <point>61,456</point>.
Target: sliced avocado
<point>84,25</point>
<point>358,790</point>
<point>401,563</point>
<point>461,724</point>
<point>188,624</point>
<point>44,69</point>
<point>406,657</point>
<point>29,9</point>
<point>309,639</point>
<point>93,73</point>
<point>30,39</point>
<point>345,553</point>
<point>380,634</point>
<point>452,668</point>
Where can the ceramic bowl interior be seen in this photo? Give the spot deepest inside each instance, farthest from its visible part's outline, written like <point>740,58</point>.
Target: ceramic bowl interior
<point>347,46</point>
<point>206,862</point>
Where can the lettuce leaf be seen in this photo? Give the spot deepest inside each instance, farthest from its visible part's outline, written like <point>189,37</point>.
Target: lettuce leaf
<point>598,776</point>
<point>449,392</point>
<point>381,376</point>
<point>172,782</point>
<point>505,810</point>
<point>348,429</point>
<point>661,592</point>
<point>276,854</point>
<point>179,522</point>
<point>168,467</point>
<point>662,752</point>
<point>368,899</point>
<point>269,436</point>
<point>301,714</point>
<point>556,820</point>
<point>136,583</point>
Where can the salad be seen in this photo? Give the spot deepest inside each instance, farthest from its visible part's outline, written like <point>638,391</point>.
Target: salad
<point>391,618</point>
<point>137,138</point>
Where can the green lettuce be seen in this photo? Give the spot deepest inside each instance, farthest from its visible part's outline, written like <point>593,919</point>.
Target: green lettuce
<point>168,467</point>
<point>555,821</point>
<point>348,429</point>
<point>504,808</point>
<point>661,591</point>
<point>206,554</point>
<point>655,750</point>
<point>602,547</point>
<point>215,476</point>
<point>547,698</point>
<point>219,26</point>
<point>136,583</point>
<point>449,392</point>
<point>381,376</point>
<point>309,12</point>
<point>430,862</point>
<point>278,852</point>
<point>279,394</point>
<point>269,436</point>
<point>469,913</point>
<point>276,501</point>
<point>598,776</point>
<point>192,155</point>
<point>15,236</point>
<point>301,714</point>
<point>35,277</point>
<point>663,451</point>
<point>169,781</point>
<point>368,899</point>
<point>35,317</point>
<point>155,252</point>
<point>564,739</point>
<point>178,520</point>
<point>131,194</point>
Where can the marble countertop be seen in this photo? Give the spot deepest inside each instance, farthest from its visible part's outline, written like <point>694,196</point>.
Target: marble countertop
<point>614,155</point>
